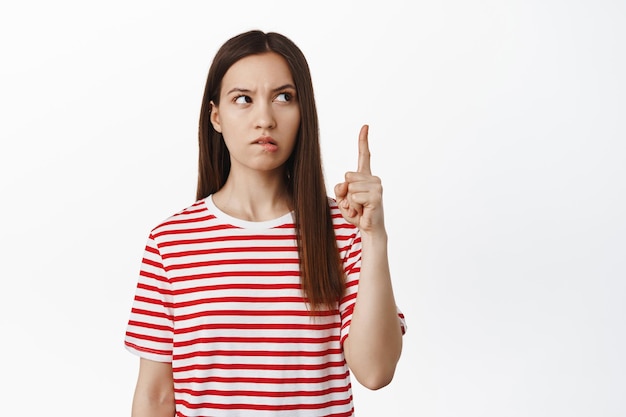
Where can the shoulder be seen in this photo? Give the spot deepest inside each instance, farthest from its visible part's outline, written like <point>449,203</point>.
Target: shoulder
<point>192,214</point>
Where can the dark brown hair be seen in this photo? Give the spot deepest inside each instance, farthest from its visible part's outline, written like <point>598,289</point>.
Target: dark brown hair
<point>321,271</point>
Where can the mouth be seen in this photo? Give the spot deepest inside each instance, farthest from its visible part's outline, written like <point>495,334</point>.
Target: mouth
<point>264,140</point>
<point>268,144</point>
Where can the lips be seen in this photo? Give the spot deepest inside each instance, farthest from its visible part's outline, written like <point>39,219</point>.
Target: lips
<point>267,143</point>
<point>265,140</point>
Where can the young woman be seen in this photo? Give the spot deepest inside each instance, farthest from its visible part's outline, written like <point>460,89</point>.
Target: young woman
<point>263,297</point>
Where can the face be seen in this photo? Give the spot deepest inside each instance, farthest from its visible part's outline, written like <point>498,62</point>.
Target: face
<point>258,113</point>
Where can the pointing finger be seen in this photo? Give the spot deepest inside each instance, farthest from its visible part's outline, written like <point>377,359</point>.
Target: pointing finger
<point>364,151</point>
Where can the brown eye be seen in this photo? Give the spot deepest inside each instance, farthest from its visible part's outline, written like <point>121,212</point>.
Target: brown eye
<point>284,97</point>
<point>243,100</point>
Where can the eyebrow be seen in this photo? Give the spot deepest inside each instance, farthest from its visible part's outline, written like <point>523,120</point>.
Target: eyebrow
<point>245,90</point>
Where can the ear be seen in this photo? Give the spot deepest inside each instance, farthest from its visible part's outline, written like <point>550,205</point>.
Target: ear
<point>215,117</point>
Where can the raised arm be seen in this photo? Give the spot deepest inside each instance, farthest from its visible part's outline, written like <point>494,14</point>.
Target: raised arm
<point>374,344</point>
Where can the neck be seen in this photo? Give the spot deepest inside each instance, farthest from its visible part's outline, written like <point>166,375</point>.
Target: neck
<point>253,198</point>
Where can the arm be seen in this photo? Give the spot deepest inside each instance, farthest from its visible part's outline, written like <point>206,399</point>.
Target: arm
<point>374,345</point>
<point>154,393</point>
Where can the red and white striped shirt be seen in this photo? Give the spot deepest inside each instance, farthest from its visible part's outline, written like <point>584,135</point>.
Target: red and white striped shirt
<point>220,298</point>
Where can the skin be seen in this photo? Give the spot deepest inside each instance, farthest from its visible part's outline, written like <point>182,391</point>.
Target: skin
<point>258,101</point>
<point>373,347</point>
<point>154,392</point>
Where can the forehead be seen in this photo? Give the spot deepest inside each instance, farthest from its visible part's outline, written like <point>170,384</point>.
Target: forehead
<point>256,71</point>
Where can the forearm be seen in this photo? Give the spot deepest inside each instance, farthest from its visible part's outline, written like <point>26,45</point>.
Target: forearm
<point>374,344</point>
<point>154,393</point>
<point>146,406</point>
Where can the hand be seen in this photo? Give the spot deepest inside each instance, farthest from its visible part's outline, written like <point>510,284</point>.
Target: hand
<point>360,197</point>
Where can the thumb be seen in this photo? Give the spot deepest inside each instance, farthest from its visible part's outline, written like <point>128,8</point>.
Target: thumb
<point>341,190</point>
<point>341,194</point>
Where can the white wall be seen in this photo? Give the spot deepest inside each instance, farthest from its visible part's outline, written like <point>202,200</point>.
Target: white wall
<point>498,130</point>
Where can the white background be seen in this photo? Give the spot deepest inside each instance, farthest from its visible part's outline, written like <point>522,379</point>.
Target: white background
<point>498,128</point>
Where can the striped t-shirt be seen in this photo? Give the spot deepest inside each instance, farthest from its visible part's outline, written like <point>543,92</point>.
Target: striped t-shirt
<point>220,298</point>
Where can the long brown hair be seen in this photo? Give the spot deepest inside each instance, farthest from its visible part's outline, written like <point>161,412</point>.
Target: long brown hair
<point>321,271</point>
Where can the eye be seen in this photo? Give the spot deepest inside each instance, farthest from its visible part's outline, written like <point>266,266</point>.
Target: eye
<point>243,99</point>
<point>286,97</point>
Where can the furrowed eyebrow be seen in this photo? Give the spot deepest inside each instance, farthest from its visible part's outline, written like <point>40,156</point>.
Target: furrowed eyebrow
<point>239,90</point>
<point>247,91</point>
<point>285,87</point>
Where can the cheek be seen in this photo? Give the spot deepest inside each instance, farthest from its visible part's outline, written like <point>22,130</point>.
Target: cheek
<point>230,123</point>
<point>294,123</point>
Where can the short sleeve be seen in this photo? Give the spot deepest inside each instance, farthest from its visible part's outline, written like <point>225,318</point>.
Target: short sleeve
<point>149,333</point>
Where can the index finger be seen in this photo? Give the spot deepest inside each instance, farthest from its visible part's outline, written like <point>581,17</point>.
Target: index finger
<point>364,151</point>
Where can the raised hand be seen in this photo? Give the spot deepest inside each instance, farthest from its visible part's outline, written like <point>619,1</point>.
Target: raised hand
<point>360,196</point>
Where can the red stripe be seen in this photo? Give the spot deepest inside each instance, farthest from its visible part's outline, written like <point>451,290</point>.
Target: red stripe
<point>247,286</point>
<point>143,349</point>
<point>213,251</point>
<point>225,274</point>
<point>259,353</point>
<point>260,367</point>
<point>249,393</point>
<point>215,300</point>
<point>190,230</point>
<point>176,219</point>
<point>348,414</point>
<point>346,299</point>
<point>150,326</point>
<point>150,262</point>
<point>266,261</point>
<point>151,249</point>
<point>152,301</point>
<point>227,239</point>
<point>258,326</point>
<point>277,340</point>
<point>153,276</point>
<point>149,338</point>
<point>257,380</point>
<point>152,288</point>
<point>245,313</point>
<point>281,407</point>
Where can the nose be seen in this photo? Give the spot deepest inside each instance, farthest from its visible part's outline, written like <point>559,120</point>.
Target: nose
<point>264,116</point>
